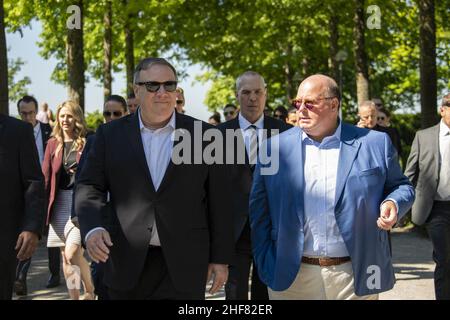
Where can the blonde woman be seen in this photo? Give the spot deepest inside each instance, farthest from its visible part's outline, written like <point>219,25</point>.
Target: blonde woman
<point>61,159</point>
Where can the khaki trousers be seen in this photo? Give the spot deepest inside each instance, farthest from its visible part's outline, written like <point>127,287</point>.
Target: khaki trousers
<point>321,283</point>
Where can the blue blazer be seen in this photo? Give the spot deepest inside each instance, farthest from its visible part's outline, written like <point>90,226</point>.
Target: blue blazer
<point>368,173</point>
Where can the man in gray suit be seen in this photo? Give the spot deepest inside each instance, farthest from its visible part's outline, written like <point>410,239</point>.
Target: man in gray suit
<point>428,168</point>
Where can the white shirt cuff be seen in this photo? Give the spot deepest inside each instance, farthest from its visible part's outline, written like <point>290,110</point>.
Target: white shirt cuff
<point>90,232</point>
<point>390,199</point>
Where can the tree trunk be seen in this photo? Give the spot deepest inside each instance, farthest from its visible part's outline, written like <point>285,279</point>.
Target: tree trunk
<point>4,107</point>
<point>333,44</point>
<point>289,75</point>
<point>428,77</point>
<point>129,50</point>
<point>75,61</point>
<point>362,74</point>
<point>107,48</point>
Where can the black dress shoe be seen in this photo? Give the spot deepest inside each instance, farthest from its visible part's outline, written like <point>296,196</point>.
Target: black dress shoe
<point>53,281</point>
<point>20,287</point>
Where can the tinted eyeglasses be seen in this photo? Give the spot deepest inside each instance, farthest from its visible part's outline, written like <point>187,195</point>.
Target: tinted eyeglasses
<point>108,114</point>
<point>297,103</point>
<point>228,113</point>
<point>153,86</point>
<point>179,101</point>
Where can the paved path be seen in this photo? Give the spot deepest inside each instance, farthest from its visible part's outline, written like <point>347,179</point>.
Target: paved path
<point>413,264</point>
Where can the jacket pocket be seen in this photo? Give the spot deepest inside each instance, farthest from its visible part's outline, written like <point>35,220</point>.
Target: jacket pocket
<point>370,172</point>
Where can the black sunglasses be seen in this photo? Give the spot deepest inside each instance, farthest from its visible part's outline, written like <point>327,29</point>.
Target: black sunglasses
<point>179,101</point>
<point>153,86</point>
<point>228,113</point>
<point>108,114</point>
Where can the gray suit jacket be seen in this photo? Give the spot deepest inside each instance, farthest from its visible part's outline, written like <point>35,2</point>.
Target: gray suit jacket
<point>422,169</point>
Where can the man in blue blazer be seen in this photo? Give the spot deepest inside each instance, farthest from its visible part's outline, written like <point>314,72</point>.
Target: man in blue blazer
<point>319,224</point>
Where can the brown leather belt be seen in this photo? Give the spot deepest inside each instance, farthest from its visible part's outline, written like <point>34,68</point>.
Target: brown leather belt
<point>325,262</point>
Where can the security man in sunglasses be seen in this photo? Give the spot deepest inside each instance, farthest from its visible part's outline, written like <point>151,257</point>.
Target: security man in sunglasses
<point>170,221</point>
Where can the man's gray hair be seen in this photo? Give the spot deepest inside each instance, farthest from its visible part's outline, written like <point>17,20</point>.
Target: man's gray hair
<point>147,63</point>
<point>248,74</point>
<point>368,104</point>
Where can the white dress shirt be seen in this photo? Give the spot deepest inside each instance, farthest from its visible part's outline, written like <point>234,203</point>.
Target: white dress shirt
<point>246,130</point>
<point>443,190</point>
<point>158,146</point>
<point>39,143</point>
<point>322,235</point>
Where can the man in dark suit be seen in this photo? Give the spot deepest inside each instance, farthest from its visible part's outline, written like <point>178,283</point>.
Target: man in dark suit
<point>428,168</point>
<point>22,198</point>
<point>251,94</point>
<point>27,107</point>
<point>172,221</point>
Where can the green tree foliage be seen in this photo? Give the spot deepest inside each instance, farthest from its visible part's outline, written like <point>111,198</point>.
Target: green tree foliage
<point>17,88</point>
<point>284,40</point>
<point>94,120</point>
<point>287,40</point>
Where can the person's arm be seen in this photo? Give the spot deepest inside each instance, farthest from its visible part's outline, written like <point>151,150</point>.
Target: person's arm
<point>80,166</point>
<point>397,186</point>
<point>220,220</point>
<point>34,196</point>
<point>91,187</point>
<point>412,165</point>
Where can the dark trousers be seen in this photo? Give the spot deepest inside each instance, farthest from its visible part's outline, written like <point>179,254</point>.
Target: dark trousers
<point>7,267</point>
<point>237,285</point>
<point>53,264</point>
<point>97,272</point>
<point>155,283</point>
<point>438,227</point>
<point>239,272</point>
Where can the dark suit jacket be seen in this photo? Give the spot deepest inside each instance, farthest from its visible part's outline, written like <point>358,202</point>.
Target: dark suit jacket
<point>394,135</point>
<point>242,176</point>
<point>46,132</point>
<point>190,209</point>
<point>422,169</point>
<point>22,201</point>
<point>51,167</point>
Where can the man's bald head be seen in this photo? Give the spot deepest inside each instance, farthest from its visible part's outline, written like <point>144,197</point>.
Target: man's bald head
<point>324,83</point>
<point>317,106</point>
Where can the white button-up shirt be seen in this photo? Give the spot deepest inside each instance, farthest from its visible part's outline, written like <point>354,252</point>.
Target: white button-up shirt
<point>443,190</point>
<point>322,235</point>
<point>244,124</point>
<point>39,142</point>
<point>158,145</point>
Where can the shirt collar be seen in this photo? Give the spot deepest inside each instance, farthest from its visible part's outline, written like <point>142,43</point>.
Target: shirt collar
<point>244,123</point>
<point>170,124</point>
<point>36,127</point>
<point>336,136</point>
<point>443,129</point>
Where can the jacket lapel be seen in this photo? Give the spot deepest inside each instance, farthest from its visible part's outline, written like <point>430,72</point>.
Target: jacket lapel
<point>435,147</point>
<point>347,155</point>
<point>134,136</point>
